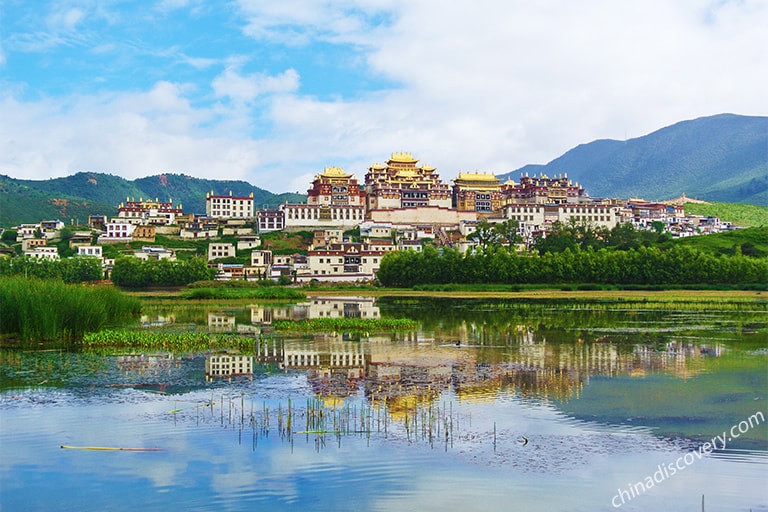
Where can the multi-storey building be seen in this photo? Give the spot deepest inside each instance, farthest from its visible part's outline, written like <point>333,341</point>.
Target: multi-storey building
<point>43,252</point>
<point>335,199</point>
<point>118,230</point>
<point>543,190</point>
<point>346,261</point>
<point>319,216</point>
<point>604,215</point>
<point>261,264</point>
<point>270,220</point>
<point>148,212</point>
<point>229,207</point>
<point>220,250</point>
<point>401,183</point>
<point>477,192</point>
<point>335,187</point>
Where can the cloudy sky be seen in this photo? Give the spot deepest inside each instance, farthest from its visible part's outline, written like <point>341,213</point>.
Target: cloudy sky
<point>272,91</point>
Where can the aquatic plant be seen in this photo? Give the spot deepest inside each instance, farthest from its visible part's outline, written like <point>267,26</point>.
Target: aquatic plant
<point>39,309</point>
<point>346,324</point>
<point>171,341</point>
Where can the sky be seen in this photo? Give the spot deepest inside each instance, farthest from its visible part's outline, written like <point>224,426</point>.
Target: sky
<point>271,92</point>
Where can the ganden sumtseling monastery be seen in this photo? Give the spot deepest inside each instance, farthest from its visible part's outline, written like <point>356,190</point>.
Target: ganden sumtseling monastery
<point>400,204</point>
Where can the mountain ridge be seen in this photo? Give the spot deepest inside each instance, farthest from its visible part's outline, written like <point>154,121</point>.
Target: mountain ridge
<point>74,197</point>
<point>716,158</point>
<point>722,158</point>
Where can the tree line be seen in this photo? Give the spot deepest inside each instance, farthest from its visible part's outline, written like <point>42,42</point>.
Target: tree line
<point>640,266</point>
<point>132,272</point>
<point>69,270</point>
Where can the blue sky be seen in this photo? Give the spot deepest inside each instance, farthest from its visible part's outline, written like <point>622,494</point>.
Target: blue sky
<point>272,92</point>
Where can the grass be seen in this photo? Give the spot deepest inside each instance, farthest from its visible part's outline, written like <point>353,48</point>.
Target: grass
<point>232,293</point>
<point>741,214</point>
<point>750,241</point>
<point>50,310</point>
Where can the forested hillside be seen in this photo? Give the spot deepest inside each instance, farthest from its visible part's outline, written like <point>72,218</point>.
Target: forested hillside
<point>718,158</point>
<point>91,193</point>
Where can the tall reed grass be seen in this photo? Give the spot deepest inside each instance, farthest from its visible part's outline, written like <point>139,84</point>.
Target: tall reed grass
<point>42,310</point>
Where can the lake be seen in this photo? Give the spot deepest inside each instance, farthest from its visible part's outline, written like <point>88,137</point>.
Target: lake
<point>503,404</point>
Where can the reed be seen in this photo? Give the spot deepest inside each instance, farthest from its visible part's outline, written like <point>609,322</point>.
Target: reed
<point>50,310</point>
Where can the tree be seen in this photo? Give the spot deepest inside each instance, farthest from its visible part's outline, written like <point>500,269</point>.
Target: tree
<point>509,232</point>
<point>486,234</point>
<point>9,235</point>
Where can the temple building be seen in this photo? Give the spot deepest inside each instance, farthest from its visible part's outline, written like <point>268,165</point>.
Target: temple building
<point>148,212</point>
<point>335,187</point>
<point>401,183</point>
<point>335,199</point>
<point>477,192</point>
<point>543,190</point>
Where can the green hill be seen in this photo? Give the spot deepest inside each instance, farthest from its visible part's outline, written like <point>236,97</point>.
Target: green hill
<point>91,193</point>
<point>737,213</point>
<point>749,241</point>
<point>719,158</point>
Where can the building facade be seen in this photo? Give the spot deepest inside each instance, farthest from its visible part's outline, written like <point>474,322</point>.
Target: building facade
<point>401,183</point>
<point>148,211</point>
<point>333,186</point>
<point>270,220</point>
<point>543,190</point>
<point>477,192</point>
<point>229,207</point>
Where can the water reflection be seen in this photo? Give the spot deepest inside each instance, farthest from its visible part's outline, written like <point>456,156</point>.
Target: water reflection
<point>544,405</point>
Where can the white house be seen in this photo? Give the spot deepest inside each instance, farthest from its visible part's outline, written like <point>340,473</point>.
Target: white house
<point>220,250</point>
<point>89,250</point>
<point>43,252</point>
<point>117,231</point>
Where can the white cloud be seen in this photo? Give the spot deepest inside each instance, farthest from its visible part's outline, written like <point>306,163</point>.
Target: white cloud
<point>489,85</point>
<point>246,88</point>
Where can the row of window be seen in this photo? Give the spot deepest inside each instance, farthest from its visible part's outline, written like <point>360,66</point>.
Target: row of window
<point>314,213</point>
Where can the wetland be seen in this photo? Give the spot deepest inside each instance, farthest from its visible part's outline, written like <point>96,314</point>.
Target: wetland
<point>404,402</point>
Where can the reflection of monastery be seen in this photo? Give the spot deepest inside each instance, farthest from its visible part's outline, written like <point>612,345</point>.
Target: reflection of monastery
<point>418,368</point>
<point>408,373</point>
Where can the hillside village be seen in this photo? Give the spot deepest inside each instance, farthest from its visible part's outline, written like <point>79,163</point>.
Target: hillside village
<point>400,205</point>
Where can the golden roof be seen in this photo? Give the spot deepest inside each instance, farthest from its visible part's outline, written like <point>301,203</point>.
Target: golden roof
<point>477,176</point>
<point>403,157</point>
<point>334,172</point>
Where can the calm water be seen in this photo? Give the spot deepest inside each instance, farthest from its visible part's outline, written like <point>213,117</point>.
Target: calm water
<point>491,405</point>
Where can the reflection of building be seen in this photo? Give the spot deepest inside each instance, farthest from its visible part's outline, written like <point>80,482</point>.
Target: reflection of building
<point>342,307</point>
<point>228,365</point>
<point>147,362</point>
<point>221,323</point>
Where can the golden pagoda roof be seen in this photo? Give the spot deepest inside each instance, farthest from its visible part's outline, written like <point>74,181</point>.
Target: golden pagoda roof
<point>403,157</point>
<point>336,172</point>
<point>477,176</point>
